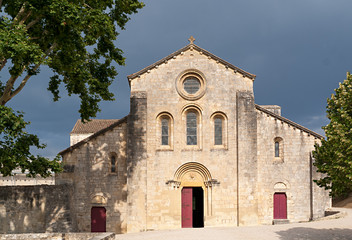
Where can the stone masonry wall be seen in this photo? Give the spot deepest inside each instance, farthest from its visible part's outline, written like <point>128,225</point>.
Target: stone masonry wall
<point>94,185</point>
<point>238,177</point>
<point>20,179</point>
<point>35,209</point>
<point>58,236</point>
<point>75,138</point>
<point>321,199</point>
<point>163,201</point>
<point>290,173</point>
<point>136,162</point>
<point>247,159</point>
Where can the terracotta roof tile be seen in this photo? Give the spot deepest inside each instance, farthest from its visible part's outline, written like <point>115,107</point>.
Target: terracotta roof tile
<point>96,134</point>
<point>92,126</point>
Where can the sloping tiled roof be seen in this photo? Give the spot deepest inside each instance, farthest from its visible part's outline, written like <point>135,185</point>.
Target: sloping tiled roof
<point>96,134</point>
<point>199,49</point>
<point>289,122</point>
<point>92,126</point>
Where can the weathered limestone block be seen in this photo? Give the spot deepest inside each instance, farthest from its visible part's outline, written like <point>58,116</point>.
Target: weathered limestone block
<point>247,159</point>
<point>40,208</point>
<point>136,162</point>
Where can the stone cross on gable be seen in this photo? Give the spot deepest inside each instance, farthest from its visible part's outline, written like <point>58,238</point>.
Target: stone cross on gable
<point>191,39</point>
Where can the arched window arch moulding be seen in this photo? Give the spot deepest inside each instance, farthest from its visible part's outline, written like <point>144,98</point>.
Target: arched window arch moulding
<point>99,199</point>
<point>196,87</point>
<point>199,168</point>
<point>164,131</point>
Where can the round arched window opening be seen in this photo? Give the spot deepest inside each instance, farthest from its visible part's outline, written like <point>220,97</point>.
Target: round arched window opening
<point>191,85</point>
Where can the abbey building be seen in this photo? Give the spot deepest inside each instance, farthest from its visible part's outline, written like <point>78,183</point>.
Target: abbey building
<point>194,151</point>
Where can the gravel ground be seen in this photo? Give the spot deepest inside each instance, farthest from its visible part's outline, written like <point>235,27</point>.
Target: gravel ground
<point>326,229</point>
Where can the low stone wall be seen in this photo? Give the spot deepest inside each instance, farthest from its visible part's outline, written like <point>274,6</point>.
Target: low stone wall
<point>20,179</point>
<point>35,209</point>
<point>59,236</point>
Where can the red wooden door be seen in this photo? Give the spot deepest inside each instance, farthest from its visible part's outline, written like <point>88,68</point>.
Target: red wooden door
<point>98,219</point>
<point>186,200</point>
<point>280,206</point>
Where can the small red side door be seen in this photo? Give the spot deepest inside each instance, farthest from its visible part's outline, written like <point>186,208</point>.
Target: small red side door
<point>280,206</point>
<point>186,200</point>
<point>98,219</point>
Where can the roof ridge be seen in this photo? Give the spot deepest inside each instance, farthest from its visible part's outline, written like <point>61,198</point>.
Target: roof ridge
<point>87,139</point>
<point>91,126</point>
<point>317,135</point>
<point>185,48</point>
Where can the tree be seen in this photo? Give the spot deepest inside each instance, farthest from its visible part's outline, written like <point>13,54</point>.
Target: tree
<point>75,38</point>
<point>333,156</point>
<point>15,147</point>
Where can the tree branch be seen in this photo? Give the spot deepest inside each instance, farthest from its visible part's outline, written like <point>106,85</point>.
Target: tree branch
<point>29,25</point>
<point>22,84</point>
<point>26,78</point>
<point>7,91</point>
<point>20,13</point>
<point>85,4</point>
<point>0,4</point>
<point>3,62</point>
<point>26,17</point>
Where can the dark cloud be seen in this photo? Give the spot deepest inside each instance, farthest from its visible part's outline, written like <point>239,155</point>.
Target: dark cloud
<point>299,51</point>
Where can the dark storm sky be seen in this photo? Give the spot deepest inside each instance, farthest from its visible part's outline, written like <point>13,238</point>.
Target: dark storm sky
<point>300,50</point>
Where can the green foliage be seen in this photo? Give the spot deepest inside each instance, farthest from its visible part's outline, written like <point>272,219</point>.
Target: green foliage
<point>334,155</point>
<point>75,38</point>
<point>15,147</point>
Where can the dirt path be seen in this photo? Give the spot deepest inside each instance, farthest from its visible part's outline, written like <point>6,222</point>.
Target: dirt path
<point>344,203</point>
<point>335,229</point>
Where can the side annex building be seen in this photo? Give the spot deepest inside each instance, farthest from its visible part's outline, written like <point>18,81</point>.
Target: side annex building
<point>194,151</point>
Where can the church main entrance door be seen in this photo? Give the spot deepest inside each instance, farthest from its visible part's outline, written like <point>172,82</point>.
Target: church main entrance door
<point>192,207</point>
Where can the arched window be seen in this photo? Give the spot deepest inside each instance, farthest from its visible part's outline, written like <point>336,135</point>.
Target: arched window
<point>113,164</point>
<point>191,128</point>
<point>165,131</point>
<point>277,149</point>
<point>219,124</point>
<point>192,123</point>
<point>218,131</point>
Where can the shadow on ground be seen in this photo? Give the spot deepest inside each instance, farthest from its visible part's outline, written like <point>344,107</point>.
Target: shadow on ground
<point>313,234</point>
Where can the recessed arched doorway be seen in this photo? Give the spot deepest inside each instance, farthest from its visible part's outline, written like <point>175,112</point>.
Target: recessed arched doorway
<point>192,207</point>
<point>195,185</point>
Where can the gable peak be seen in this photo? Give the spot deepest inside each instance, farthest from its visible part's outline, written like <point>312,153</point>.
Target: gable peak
<point>191,46</point>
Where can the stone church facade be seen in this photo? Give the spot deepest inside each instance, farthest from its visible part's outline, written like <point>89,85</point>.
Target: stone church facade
<point>195,150</point>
